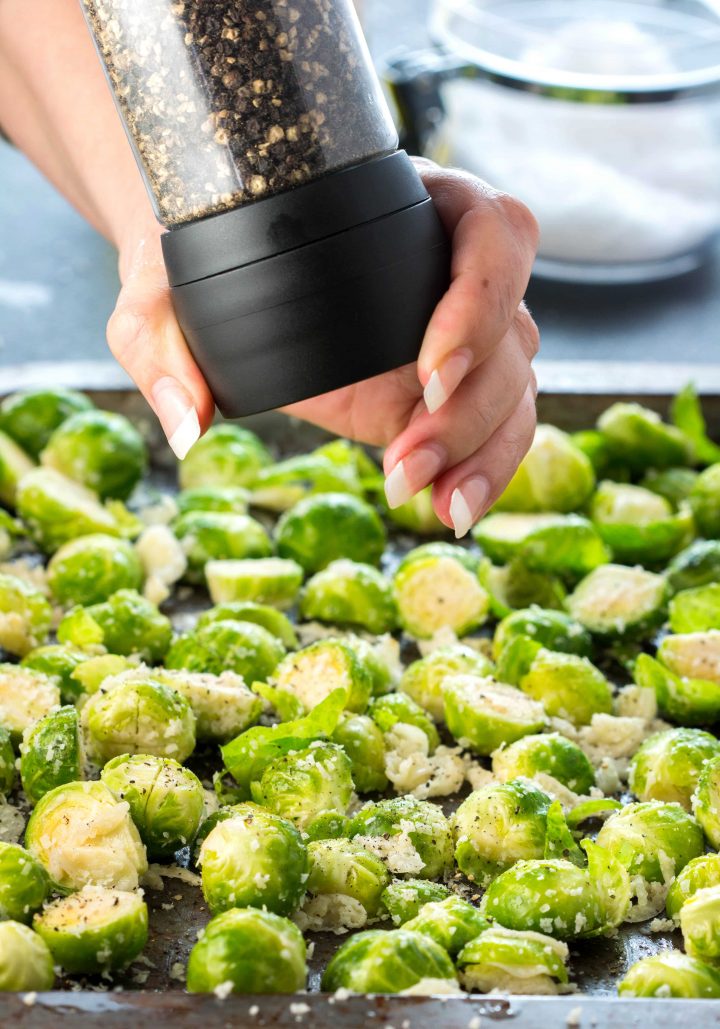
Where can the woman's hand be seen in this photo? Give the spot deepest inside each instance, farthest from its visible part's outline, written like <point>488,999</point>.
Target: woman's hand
<point>461,418</point>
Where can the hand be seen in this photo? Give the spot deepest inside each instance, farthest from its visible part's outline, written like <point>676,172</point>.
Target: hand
<point>461,418</point>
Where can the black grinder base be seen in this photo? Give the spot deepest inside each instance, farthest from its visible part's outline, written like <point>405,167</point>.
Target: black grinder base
<point>310,290</point>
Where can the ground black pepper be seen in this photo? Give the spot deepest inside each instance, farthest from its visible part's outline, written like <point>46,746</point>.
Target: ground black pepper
<point>229,101</point>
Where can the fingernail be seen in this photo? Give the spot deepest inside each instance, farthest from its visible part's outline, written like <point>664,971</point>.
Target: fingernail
<point>177,415</point>
<point>445,380</point>
<point>467,503</point>
<point>413,473</point>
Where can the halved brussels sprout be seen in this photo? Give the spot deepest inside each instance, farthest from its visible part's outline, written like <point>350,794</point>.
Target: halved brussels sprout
<point>253,951</point>
<point>26,964</point>
<point>241,647</point>
<point>25,697</point>
<point>552,629</point>
<point>321,529</point>
<point>705,502</point>
<point>282,485</point>
<point>10,531</point>
<point>549,754</point>
<point>31,417</point>
<point>554,475</point>
<point>328,825</point>
<point>652,839</point>
<point>411,836</point>
<point>697,565</point>
<point>381,657</point>
<point>515,586</point>
<point>233,499</point>
<point>51,753</point>
<point>316,671</point>
<point>264,580</point>
<point>92,673</point>
<point>95,930</point>
<point>674,484</point>
<point>343,867</point>
<point>24,883</point>
<point>670,974</point>
<point>261,614</point>
<point>58,661</point>
<point>482,714</point>
<point>639,525</point>
<point>219,536</point>
<point>363,742</point>
<point>417,515</point>
<point>424,680</point>
<point>166,800</point>
<point>693,655</point>
<point>90,569</point>
<point>345,454</point>
<point>687,701</point>
<point>437,586</point>
<point>556,897</point>
<point>498,825</point>
<point>668,765</point>
<point>101,450</point>
<point>124,624</point>
<point>25,616</point>
<point>303,784</point>
<point>137,717</point>
<point>640,438</point>
<point>253,859</point>
<point>696,610</point>
<point>7,762</point>
<point>392,708</point>
<point>403,899</point>
<point>700,924</point>
<point>697,874</point>
<point>377,961</point>
<point>618,601</point>
<point>706,801</point>
<point>82,835</point>
<point>15,464</point>
<point>227,455</point>
<point>350,593</point>
<point>562,544</point>
<point>514,962</point>
<point>451,922</point>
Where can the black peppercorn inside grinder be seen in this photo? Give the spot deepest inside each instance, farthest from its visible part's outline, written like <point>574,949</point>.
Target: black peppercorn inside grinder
<point>302,249</point>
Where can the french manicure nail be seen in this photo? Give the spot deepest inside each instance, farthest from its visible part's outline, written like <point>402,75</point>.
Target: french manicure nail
<point>177,415</point>
<point>445,380</point>
<point>467,503</point>
<point>415,471</point>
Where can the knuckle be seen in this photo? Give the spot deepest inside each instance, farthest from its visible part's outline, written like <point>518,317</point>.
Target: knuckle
<point>127,329</point>
<point>528,333</point>
<point>520,218</point>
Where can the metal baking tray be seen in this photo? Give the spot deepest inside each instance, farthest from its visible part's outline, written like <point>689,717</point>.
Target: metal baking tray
<point>571,396</point>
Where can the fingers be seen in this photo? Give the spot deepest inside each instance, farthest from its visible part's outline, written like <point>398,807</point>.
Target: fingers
<point>144,336</point>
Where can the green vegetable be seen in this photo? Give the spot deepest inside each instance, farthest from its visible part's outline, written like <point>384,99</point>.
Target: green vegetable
<point>349,593</point>
<point>417,515</point>
<point>364,744</point>
<point>704,500</point>
<point>692,655</point>
<point>515,587</point>
<point>222,704</point>
<point>261,614</point>
<point>483,714</point>
<point>424,680</point>
<point>697,874</point>
<point>639,437</point>
<point>59,662</point>
<point>686,414</point>
<point>514,962</point>
<point>560,544</point>
<point>219,535</point>
<point>387,711</point>
<point>674,484</point>
<point>233,499</point>
<point>26,964</point>
<point>615,601</point>
<point>554,475</point>
<point>697,565</point>
<point>241,647</point>
<point>670,974</point>
<point>404,898</point>
<point>638,525</point>
<point>265,580</point>
<point>321,529</point>
<point>706,801</point>
<point>24,884</point>
<point>225,456</point>
<point>653,839</point>
<point>25,697</point>
<point>386,962</point>
<point>452,923</point>
<point>696,610</point>
<point>686,701</point>
<point>51,753</point>
<point>32,416</point>
<point>100,450</point>
<point>700,924</point>
<point>15,464</point>
<point>437,586</point>
<point>302,785</point>
<point>90,569</point>
<point>548,754</point>
<point>422,823</point>
<point>552,629</point>
<point>124,624</point>
<point>7,763</point>
<point>282,485</point>
<point>315,672</point>
<point>342,867</point>
<point>668,765</point>
<point>25,616</point>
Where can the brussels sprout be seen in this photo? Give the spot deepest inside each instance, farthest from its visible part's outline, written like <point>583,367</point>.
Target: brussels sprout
<point>25,696</point>
<point>7,762</point>
<point>82,835</point>
<point>670,974</point>
<point>349,593</point>
<point>248,611</point>
<point>498,825</point>
<point>381,657</point>
<point>451,922</point>
<point>424,680</point>
<point>437,586</point>
<point>95,930</point>
<point>425,835</point>
<point>387,711</point>
<point>24,883</point>
<point>301,785</point>
<point>92,673</point>
<point>686,413</point>
<point>548,754</point>
<point>316,671</point>
<point>639,437</point>
<point>51,753</point>
<point>225,456</point>
<point>90,569</point>
<point>344,454</point>
<point>693,655</point>
<point>700,924</point>
<point>563,544</point>
<point>483,714</point>
<point>404,898</point>
<point>127,623</point>
<point>639,525</point>
<point>58,662</point>
<point>31,417</point>
<point>25,616</point>
<point>553,476</point>
<point>14,466</point>
<point>166,800</point>
<point>364,744</point>
<point>233,499</point>
<point>552,629</point>
<point>320,529</point>
<point>696,610</point>
<point>26,964</point>
<point>343,867</point>
<point>555,897</point>
<point>376,961</point>
<point>10,530</point>
<point>417,515</point>
<point>242,647</point>
<point>282,485</point>
<point>667,765</point>
<point>618,601</point>
<point>514,962</point>
<point>219,535</point>
<point>142,717</point>
<point>706,801</point>
<point>253,859</point>
<point>697,565</point>
<point>705,502</point>
<point>101,450</point>
<point>687,701</point>
<point>697,874</point>
<point>264,580</point>
<point>595,447</point>
<point>514,587</point>
<point>253,951</point>
<point>652,839</point>
<point>328,825</point>
<point>674,484</point>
